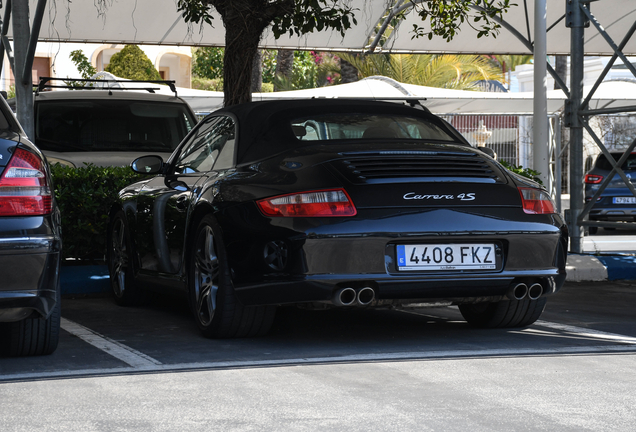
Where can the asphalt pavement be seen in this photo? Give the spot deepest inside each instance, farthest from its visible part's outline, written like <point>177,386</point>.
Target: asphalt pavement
<point>147,368</point>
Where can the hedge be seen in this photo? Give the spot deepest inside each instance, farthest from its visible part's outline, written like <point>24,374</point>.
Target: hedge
<point>85,196</point>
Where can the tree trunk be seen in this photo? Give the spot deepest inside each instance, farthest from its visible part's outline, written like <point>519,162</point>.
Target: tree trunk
<point>561,68</point>
<point>244,21</point>
<point>284,64</point>
<point>241,45</point>
<point>257,72</point>
<point>348,72</point>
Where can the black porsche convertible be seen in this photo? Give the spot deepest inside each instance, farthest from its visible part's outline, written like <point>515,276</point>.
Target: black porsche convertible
<point>334,203</point>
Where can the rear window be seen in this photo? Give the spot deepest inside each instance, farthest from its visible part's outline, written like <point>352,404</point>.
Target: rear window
<point>110,125</point>
<point>604,164</point>
<point>355,126</point>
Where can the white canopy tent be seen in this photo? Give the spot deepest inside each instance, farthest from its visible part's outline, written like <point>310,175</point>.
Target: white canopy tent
<point>612,94</point>
<point>138,22</point>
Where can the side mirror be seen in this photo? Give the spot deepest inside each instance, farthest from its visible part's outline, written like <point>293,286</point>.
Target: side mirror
<point>490,152</point>
<point>147,165</point>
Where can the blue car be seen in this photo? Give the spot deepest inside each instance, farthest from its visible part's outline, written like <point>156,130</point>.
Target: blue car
<point>616,202</point>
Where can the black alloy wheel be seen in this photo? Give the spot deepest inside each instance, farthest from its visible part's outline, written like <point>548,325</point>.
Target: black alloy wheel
<point>216,310</point>
<point>503,314</point>
<point>120,265</point>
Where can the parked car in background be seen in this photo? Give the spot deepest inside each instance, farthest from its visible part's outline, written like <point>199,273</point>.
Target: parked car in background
<point>108,126</point>
<point>334,203</point>
<point>616,202</point>
<point>30,246</point>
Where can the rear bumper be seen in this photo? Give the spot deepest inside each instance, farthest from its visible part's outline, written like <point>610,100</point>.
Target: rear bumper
<point>321,259</point>
<point>29,271</point>
<point>399,290</point>
<point>617,214</point>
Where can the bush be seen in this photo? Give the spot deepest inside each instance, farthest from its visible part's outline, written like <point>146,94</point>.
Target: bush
<point>132,63</point>
<point>85,196</point>
<point>207,84</point>
<point>525,172</point>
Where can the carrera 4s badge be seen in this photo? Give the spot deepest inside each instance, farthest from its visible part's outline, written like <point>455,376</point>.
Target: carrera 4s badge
<point>462,196</point>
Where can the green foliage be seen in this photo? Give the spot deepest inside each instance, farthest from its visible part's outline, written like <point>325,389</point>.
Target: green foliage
<point>293,17</point>
<point>11,92</point>
<point>132,63</point>
<point>459,72</point>
<point>310,70</point>
<point>269,65</point>
<point>82,64</point>
<point>267,88</point>
<point>207,84</point>
<point>207,62</point>
<point>308,16</point>
<point>446,17</point>
<point>525,172</point>
<point>85,196</point>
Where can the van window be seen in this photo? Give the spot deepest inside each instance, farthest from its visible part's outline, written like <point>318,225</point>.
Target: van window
<point>110,125</point>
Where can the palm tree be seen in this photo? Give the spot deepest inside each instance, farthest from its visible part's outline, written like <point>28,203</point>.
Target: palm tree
<point>433,70</point>
<point>508,63</point>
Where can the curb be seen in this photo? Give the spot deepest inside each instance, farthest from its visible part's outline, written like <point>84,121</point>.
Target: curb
<point>592,268</point>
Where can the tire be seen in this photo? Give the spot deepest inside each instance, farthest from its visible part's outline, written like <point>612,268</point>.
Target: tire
<point>32,336</point>
<point>503,314</point>
<point>120,263</point>
<point>216,310</point>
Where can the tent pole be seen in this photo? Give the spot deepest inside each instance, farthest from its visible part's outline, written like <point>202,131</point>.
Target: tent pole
<point>23,91</point>
<point>540,127</point>
<point>576,21</point>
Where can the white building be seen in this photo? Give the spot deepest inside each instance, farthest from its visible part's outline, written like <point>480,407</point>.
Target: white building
<point>54,60</point>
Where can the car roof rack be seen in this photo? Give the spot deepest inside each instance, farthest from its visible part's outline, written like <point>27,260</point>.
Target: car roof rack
<point>106,84</point>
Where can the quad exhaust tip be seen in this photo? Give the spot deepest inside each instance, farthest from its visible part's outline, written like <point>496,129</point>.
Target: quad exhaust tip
<point>535,291</point>
<point>520,291</point>
<point>365,296</point>
<point>345,297</point>
<point>352,297</point>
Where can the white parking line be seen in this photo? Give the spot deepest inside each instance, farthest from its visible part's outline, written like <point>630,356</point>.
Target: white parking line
<point>588,333</point>
<point>120,351</point>
<point>140,362</point>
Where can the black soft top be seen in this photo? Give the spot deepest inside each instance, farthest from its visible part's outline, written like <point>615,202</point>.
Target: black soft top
<point>264,127</point>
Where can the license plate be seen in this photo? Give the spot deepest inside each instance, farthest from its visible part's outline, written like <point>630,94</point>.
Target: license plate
<point>469,256</point>
<point>624,200</point>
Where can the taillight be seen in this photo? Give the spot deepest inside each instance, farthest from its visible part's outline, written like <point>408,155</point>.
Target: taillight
<point>322,203</point>
<point>24,190</point>
<point>536,201</point>
<point>593,179</point>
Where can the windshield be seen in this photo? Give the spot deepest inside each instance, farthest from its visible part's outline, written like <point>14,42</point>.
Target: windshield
<point>366,126</point>
<point>110,125</point>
